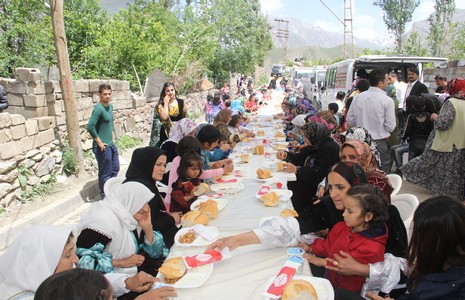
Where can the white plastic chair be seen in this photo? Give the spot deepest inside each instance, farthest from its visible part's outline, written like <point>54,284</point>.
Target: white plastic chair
<point>396,182</point>
<point>406,204</point>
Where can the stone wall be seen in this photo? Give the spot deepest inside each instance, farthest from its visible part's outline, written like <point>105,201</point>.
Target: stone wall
<point>451,70</point>
<point>33,128</point>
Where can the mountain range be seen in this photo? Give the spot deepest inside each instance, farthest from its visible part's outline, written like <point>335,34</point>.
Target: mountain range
<point>303,35</point>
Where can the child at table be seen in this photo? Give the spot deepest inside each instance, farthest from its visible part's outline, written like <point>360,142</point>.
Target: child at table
<point>363,235</point>
<point>189,171</point>
<point>209,137</point>
<point>221,151</point>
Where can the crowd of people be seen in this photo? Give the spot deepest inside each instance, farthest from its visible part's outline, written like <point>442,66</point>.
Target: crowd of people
<point>346,224</point>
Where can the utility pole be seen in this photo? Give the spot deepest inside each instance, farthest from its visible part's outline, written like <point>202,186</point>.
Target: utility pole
<point>283,35</point>
<point>348,30</point>
<point>66,82</point>
<point>347,23</point>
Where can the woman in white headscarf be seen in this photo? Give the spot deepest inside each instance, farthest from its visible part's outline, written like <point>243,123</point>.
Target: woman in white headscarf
<point>37,253</point>
<point>298,122</point>
<point>117,234</point>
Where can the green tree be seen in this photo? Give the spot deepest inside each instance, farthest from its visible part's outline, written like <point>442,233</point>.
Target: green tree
<point>26,35</point>
<point>397,13</point>
<point>241,35</point>
<point>413,45</point>
<point>84,24</point>
<point>439,27</point>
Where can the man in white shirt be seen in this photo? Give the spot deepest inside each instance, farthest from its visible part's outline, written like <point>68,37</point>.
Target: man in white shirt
<point>375,111</point>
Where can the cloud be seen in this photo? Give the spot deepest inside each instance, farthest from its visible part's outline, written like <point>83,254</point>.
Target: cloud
<point>460,3</point>
<point>329,26</point>
<point>271,6</point>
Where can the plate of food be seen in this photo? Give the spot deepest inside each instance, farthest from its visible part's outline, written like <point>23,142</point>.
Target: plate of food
<point>174,272</point>
<point>186,237</point>
<point>228,188</point>
<point>264,175</point>
<point>281,193</point>
<point>227,179</point>
<point>221,202</point>
<point>305,287</point>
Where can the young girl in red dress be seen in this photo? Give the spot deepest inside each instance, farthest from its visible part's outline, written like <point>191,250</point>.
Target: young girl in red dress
<point>189,170</point>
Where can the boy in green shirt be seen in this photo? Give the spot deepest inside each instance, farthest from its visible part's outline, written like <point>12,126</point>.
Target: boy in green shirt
<point>101,128</point>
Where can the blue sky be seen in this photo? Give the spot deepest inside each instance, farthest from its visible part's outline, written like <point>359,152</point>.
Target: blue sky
<point>367,19</point>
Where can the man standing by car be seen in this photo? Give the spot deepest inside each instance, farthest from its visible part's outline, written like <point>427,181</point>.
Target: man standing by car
<point>375,111</point>
<point>101,128</point>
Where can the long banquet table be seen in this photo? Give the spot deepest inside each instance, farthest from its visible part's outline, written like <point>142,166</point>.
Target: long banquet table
<point>244,275</point>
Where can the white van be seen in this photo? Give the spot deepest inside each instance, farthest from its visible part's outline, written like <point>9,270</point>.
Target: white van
<point>313,79</point>
<point>341,75</point>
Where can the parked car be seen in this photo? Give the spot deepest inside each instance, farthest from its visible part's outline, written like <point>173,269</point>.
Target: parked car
<point>277,70</point>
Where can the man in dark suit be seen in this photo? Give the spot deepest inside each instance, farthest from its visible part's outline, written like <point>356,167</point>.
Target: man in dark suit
<point>414,88</point>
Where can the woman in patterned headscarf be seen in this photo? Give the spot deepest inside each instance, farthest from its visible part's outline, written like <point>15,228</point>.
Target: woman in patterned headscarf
<point>311,164</point>
<point>360,153</point>
<point>441,167</point>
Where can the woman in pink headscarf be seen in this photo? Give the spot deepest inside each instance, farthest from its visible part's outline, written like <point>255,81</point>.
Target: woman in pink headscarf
<point>180,129</point>
<point>441,167</point>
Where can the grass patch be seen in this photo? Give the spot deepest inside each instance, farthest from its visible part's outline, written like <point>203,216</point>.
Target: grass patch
<point>41,190</point>
<point>70,166</point>
<point>126,142</point>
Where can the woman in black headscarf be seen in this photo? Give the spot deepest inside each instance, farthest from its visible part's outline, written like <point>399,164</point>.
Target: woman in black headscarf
<point>142,169</point>
<point>311,164</point>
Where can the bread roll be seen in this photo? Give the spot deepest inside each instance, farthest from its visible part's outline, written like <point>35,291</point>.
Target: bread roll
<point>299,290</point>
<point>263,173</point>
<point>280,166</point>
<point>201,189</point>
<point>270,199</point>
<point>289,213</point>
<point>260,149</point>
<point>245,158</point>
<point>173,269</point>
<point>210,208</point>
<point>194,217</point>
<point>260,133</point>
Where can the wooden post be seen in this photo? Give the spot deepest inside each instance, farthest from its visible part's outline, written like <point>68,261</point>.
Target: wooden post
<point>66,83</point>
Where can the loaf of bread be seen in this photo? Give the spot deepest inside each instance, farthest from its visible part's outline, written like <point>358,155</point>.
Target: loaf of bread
<point>173,269</point>
<point>280,166</point>
<point>210,208</point>
<point>263,173</point>
<point>201,189</point>
<point>270,199</point>
<point>194,217</point>
<point>260,133</point>
<point>289,213</point>
<point>299,290</point>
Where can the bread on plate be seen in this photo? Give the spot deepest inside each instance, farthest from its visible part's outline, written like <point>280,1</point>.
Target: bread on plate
<point>270,199</point>
<point>299,290</point>
<point>201,189</point>
<point>209,207</point>
<point>289,213</point>
<point>264,174</point>
<point>194,217</point>
<point>173,269</point>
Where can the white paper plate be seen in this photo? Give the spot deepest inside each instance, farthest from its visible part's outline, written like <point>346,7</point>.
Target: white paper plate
<point>227,187</point>
<point>323,287</point>
<point>193,278</point>
<point>220,202</point>
<point>282,193</point>
<point>198,242</point>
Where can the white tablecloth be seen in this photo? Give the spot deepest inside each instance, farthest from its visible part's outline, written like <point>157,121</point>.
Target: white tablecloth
<point>244,275</point>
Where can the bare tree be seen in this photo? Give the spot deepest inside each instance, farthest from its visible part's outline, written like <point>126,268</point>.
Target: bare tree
<point>66,82</point>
